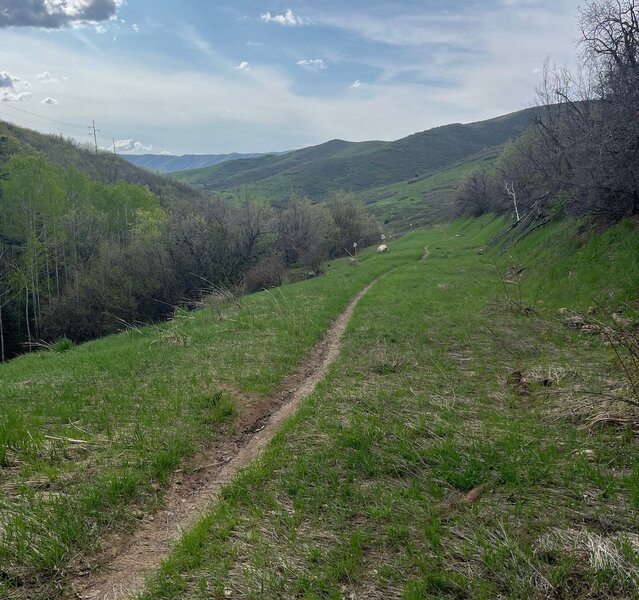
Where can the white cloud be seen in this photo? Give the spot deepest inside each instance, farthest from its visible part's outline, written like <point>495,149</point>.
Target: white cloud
<point>49,100</point>
<point>11,97</point>
<point>312,64</point>
<point>130,145</point>
<point>254,44</point>
<point>9,86</point>
<point>7,80</point>
<point>243,66</point>
<point>356,84</point>
<point>135,28</point>
<point>131,94</point>
<point>46,77</point>
<point>288,18</point>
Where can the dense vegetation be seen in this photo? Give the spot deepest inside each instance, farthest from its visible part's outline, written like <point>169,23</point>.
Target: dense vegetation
<point>84,253</point>
<point>582,154</point>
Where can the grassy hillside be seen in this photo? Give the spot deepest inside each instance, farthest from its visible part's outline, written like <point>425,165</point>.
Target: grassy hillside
<point>365,168</point>
<point>103,167</point>
<point>139,405</point>
<point>455,450</point>
<point>422,201</point>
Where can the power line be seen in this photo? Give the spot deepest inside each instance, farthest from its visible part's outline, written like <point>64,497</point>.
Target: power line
<point>7,105</point>
<point>93,131</point>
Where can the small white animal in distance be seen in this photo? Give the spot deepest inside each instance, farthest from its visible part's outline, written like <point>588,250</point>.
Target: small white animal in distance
<point>382,249</point>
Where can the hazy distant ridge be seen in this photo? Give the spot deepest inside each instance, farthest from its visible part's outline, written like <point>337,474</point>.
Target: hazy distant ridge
<point>169,164</point>
<point>357,166</point>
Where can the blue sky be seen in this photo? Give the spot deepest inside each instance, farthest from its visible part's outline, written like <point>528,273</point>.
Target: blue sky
<point>212,76</point>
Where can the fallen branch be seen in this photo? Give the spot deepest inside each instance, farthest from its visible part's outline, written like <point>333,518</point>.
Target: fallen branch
<point>66,439</point>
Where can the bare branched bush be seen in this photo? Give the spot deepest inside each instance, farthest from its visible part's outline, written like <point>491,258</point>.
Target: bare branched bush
<point>266,274</point>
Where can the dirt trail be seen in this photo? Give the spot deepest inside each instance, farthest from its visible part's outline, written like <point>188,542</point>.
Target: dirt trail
<point>191,493</point>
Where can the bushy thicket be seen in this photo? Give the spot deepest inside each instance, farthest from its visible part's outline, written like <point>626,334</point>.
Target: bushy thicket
<point>80,258</point>
<point>581,154</point>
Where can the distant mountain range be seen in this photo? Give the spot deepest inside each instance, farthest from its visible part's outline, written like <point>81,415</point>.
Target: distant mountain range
<point>411,180</point>
<point>162,163</point>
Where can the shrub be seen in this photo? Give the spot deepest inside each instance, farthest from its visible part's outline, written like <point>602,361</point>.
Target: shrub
<point>64,344</point>
<point>267,273</point>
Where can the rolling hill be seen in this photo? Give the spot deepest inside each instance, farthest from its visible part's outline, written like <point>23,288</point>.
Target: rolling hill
<point>103,167</point>
<point>163,163</point>
<point>372,170</point>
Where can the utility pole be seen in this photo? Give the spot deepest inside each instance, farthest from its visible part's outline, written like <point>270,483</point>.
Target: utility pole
<point>114,152</point>
<point>94,132</point>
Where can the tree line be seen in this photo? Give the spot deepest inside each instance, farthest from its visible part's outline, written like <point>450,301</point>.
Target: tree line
<point>581,154</point>
<point>80,258</point>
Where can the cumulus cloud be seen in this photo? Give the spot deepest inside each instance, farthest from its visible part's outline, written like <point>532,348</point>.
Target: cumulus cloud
<point>356,84</point>
<point>49,100</point>
<point>46,77</point>
<point>136,28</point>
<point>243,66</point>
<point>288,18</point>
<point>10,86</point>
<point>131,146</point>
<point>7,80</point>
<point>312,64</point>
<point>12,97</point>
<point>54,14</point>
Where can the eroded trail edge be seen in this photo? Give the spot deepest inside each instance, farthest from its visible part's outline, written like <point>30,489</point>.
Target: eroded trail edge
<point>126,564</point>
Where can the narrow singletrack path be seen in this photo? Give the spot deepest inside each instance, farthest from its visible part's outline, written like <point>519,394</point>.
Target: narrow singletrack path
<point>126,564</point>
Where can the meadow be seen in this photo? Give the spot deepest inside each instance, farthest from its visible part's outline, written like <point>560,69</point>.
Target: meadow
<point>464,444</point>
<point>90,434</point>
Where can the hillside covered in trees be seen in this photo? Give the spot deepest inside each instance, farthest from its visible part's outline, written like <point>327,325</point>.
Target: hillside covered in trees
<point>581,155</point>
<point>89,249</point>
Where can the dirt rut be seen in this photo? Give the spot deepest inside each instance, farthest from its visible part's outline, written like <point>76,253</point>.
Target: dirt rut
<point>125,564</point>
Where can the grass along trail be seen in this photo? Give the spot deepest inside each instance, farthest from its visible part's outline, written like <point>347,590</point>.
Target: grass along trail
<point>190,495</point>
<point>146,403</point>
<point>450,452</point>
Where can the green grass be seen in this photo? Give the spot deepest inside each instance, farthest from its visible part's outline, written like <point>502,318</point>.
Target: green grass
<point>420,202</point>
<point>569,266</point>
<point>361,494</point>
<point>137,405</point>
<point>399,206</point>
<point>448,379</point>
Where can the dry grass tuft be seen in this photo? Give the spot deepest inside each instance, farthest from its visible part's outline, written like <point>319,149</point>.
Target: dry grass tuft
<point>595,552</point>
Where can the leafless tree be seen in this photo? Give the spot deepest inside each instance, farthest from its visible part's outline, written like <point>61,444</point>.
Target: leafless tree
<point>589,125</point>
